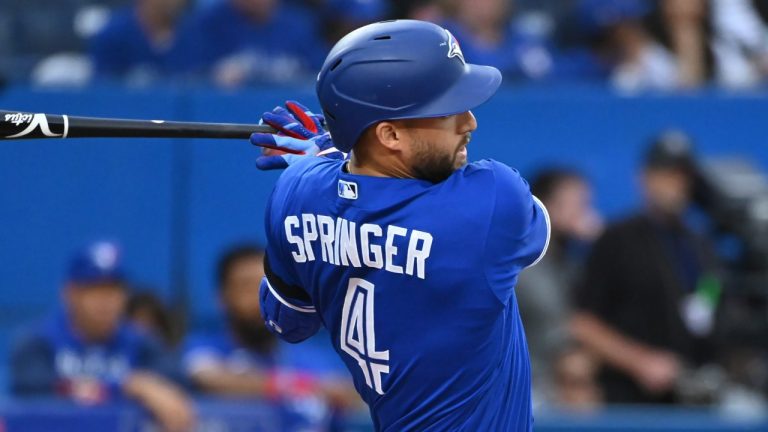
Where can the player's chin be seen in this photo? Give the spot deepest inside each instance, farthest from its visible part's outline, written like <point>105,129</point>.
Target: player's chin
<point>460,159</point>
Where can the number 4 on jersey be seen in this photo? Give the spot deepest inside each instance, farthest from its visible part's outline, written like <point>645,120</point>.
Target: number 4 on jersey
<point>358,337</point>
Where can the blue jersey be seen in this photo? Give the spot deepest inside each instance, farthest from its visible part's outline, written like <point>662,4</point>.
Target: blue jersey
<point>415,283</point>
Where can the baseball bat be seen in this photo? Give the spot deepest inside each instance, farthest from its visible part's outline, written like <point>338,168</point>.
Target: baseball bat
<point>20,125</point>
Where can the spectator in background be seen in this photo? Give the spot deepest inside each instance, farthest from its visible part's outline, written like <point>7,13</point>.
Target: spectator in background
<point>87,354</point>
<point>489,35</point>
<point>424,10</point>
<point>245,359</point>
<point>140,43</point>
<point>622,44</point>
<point>343,16</point>
<point>240,42</point>
<point>647,304</point>
<point>683,28</point>
<point>740,42</point>
<point>146,311</point>
<point>563,373</point>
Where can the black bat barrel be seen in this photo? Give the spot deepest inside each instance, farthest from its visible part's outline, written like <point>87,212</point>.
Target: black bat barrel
<point>20,125</point>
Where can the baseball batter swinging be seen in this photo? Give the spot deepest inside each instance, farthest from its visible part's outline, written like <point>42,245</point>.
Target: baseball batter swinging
<point>404,251</point>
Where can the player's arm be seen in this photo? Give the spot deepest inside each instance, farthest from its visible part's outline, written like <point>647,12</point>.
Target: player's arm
<point>519,230</point>
<point>286,308</point>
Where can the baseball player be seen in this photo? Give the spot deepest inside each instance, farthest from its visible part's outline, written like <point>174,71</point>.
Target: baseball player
<point>404,251</point>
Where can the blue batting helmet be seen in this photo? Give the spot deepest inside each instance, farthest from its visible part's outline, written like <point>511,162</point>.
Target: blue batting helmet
<point>397,70</point>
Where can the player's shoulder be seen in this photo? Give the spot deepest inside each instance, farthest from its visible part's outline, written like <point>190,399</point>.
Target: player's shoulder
<point>511,195</point>
<point>310,169</point>
<point>500,175</point>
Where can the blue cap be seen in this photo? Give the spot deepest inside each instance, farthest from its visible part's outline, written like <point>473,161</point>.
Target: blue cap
<point>97,263</point>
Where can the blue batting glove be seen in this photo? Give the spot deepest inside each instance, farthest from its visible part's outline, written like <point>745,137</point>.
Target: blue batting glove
<point>298,129</point>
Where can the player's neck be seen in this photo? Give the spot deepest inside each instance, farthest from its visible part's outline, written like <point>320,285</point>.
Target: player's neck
<point>375,168</point>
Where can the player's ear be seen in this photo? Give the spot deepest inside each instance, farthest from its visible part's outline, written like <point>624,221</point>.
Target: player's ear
<point>390,135</point>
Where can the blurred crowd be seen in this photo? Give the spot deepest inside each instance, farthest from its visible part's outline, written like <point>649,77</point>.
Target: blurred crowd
<point>634,45</point>
<point>629,311</point>
<point>109,341</point>
<point>633,311</point>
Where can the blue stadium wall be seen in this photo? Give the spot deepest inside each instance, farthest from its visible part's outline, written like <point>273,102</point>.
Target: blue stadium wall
<point>175,204</point>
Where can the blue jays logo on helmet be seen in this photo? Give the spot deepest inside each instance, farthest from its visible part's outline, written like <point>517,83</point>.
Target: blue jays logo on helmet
<point>454,50</point>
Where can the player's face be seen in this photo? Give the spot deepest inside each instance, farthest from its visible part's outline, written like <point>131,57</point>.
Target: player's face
<point>438,146</point>
<point>96,309</point>
<point>241,293</point>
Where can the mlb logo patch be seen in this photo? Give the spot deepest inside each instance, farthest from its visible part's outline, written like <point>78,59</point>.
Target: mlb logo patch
<point>347,189</point>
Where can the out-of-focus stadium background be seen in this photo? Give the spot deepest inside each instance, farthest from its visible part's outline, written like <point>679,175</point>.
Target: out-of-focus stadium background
<point>590,87</point>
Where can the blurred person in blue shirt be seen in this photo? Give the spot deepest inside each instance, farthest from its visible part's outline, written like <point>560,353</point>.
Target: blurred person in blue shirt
<point>492,34</point>
<point>140,43</point>
<point>87,353</point>
<point>342,16</point>
<point>238,42</point>
<point>245,359</point>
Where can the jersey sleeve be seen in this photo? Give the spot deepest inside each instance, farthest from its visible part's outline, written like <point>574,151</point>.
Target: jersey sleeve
<point>278,262</point>
<point>286,306</point>
<point>518,233</point>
